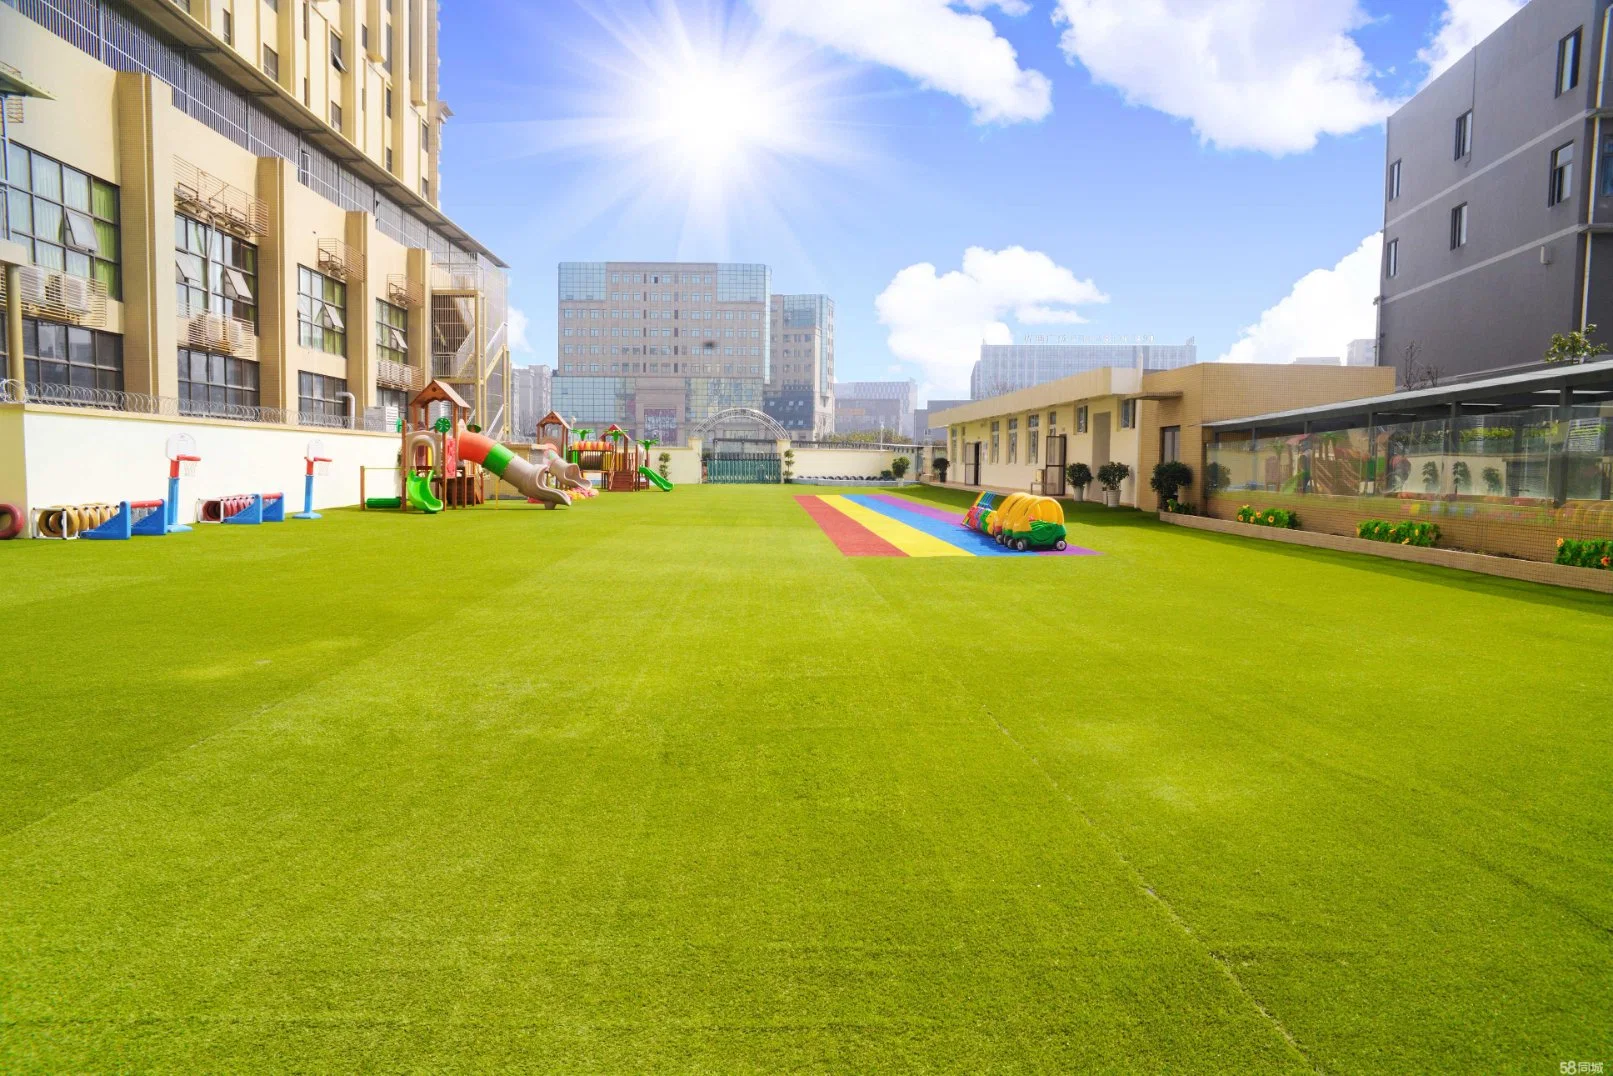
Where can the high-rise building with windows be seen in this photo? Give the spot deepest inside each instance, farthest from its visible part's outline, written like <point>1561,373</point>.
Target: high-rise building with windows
<point>1005,368</point>
<point>1498,201</point>
<point>659,347</point>
<point>232,211</point>
<point>529,399</point>
<point>883,407</point>
<point>800,390</point>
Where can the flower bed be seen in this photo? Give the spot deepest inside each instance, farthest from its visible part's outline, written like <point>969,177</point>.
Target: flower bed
<point>1268,517</point>
<point>1406,532</point>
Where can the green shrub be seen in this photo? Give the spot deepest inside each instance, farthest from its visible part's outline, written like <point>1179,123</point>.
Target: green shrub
<point>1268,517</point>
<point>941,466</point>
<point>899,466</point>
<point>1586,552</point>
<point>1170,476</point>
<point>1406,532</point>
<point>1079,474</point>
<point>1111,474</point>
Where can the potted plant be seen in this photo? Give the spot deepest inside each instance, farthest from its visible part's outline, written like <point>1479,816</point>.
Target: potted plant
<point>941,466</point>
<point>1461,476</point>
<point>1110,475</point>
<point>1080,476</point>
<point>789,465</point>
<point>1431,476</point>
<point>1492,481</point>
<point>899,466</point>
<point>665,464</point>
<point>1169,477</point>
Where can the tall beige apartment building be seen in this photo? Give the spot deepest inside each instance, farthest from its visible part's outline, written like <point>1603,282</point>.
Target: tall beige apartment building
<point>659,347</point>
<point>228,209</point>
<point>800,388</point>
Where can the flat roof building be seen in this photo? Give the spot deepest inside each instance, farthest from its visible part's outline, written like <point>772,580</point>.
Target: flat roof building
<point>800,389</point>
<point>1496,212</point>
<point>1004,368</point>
<point>659,347</point>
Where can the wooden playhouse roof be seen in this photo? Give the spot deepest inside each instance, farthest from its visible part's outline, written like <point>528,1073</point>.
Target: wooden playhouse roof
<point>552,419</point>
<point>439,392</point>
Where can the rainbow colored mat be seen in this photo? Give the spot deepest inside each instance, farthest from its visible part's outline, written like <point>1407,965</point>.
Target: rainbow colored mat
<point>881,525</point>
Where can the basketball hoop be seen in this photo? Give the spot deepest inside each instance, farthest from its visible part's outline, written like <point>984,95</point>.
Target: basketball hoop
<point>321,468</point>
<point>187,468</point>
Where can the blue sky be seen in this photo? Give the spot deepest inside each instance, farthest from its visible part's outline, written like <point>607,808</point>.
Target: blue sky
<point>1183,189</point>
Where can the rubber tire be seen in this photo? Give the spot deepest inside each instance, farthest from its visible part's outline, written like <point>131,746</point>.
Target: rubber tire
<point>1021,545</point>
<point>1061,545</point>
<point>13,526</point>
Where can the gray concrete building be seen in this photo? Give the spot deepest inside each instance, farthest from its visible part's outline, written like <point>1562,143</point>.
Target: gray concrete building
<point>1361,353</point>
<point>921,421</point>
<point>1497,210</point>
<point>800,385</point>
<point>875,407</point>
<point>1036,360</point>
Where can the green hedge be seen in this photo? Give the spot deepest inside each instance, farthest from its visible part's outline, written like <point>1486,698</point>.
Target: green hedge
<point>1586,552</point>
<point>1406,532</point>
<point>1268,517</point>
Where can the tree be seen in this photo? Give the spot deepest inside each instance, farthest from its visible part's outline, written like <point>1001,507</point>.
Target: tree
<point>1431,476</point>
<point>1079,474</point>
<point>1461,476</point>
<point>1416,374</point>
<point>665,462</point>
<point>941,466</point>
<point>1573,348</point>
<point>899,466</point>
<point>1492,481</point>
<point>789,464</point>
<point>1216,476</point>
<point>1170,476</point>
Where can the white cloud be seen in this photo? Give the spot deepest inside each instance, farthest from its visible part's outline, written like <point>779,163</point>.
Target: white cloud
<point>1266,75</point>
<point>938,321</point>
<point>1326,309</point>
<point>1463,24</point>
<point>955,52</point>
<point>518,328</point>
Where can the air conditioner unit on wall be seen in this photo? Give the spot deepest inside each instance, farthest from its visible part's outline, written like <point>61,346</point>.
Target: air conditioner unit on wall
<point>73,293</point>
<point>33,285</point>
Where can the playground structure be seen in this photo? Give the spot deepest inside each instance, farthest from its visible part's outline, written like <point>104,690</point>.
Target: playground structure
<point>115,522</point>
<point>438,460</point>
<point>243,508</point>
<point>621,462</point>
<point>1019,521</point>
<point>318,464</point>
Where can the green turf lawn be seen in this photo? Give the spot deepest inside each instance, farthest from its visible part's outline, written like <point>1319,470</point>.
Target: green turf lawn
<point>665,782</point>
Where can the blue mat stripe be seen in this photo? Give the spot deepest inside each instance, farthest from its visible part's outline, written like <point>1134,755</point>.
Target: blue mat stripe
<point>970,541</point>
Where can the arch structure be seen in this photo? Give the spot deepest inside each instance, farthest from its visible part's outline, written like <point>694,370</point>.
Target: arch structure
<point>741,423</point>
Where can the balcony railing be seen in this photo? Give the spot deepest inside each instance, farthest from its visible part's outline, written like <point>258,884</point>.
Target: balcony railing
<point>218,333</point>
<point>207,197</point>
<point>339,260</point>
<point>396,375</point>
<point>60,297</point>
<point>401,291</point>
<point>139,403</point>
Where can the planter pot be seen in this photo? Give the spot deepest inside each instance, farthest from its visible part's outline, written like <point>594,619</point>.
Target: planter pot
<point>1079,493</point>
<point>1111,498</point>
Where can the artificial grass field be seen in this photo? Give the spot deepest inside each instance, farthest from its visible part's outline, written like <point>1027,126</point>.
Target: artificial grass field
<point>666,782</point>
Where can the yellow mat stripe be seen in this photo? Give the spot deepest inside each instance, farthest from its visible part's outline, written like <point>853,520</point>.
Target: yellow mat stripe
<point>913,542</point>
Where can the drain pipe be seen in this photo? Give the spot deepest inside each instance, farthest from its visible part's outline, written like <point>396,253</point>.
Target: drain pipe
<point>1597,164</point>
<point>352,409</point>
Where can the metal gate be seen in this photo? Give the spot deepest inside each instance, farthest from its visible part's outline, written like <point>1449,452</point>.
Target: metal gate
<point>971,463</point>
<point>724,468</point>
<point>1053,474</point>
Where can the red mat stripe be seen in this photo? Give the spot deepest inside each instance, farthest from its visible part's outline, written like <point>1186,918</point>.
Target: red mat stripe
<point>850,537</point>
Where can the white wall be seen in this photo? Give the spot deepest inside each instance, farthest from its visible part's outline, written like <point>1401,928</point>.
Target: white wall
<point>75,456</point>
<point>858,462</point>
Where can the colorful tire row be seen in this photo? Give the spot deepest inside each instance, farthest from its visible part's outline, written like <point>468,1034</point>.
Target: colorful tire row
<point>219,509</point>
<point>69,521</point>
<point>11,521</point>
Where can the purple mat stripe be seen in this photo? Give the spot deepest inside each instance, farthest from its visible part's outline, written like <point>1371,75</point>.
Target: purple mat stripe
<point>944,515</point>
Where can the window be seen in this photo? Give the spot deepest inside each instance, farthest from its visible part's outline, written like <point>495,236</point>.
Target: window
<point>1170,443</point>
<point>1464,134</point>
<point>214,271</point>
<point>336,52</point>
<point>391,332</point>
<point>305,167</point>
<point>1568,63</point>
<point>1081,419</point>
<point>1562,174</point>
<point>69,221</point>
<point>213,384</point>
<point>425,188</point>
<point>319,401</point>
<point>1459,226</point>
<point>66,355</point>
<point>1128,414</point>
<point>1391,259</point>
<point>389,158</point>
<point>321,312</point>
<point>271,63</point>
<point>229,27</point>
<point>1013,440</point>
<point>994,426</point>
<point>1032,437</point>
<point>364,36</point>
<point>1394,181</point>
<point>336,115</point>
<point>389,94</point>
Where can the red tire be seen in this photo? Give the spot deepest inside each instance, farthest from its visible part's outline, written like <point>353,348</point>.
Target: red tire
<point>13,521</point>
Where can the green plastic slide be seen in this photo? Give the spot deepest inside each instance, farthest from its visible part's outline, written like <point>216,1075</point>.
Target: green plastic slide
<point>656,480</point>
<point>417,487</point>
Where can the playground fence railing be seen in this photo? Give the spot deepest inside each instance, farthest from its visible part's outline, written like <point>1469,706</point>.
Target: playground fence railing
<point>373,420</point>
